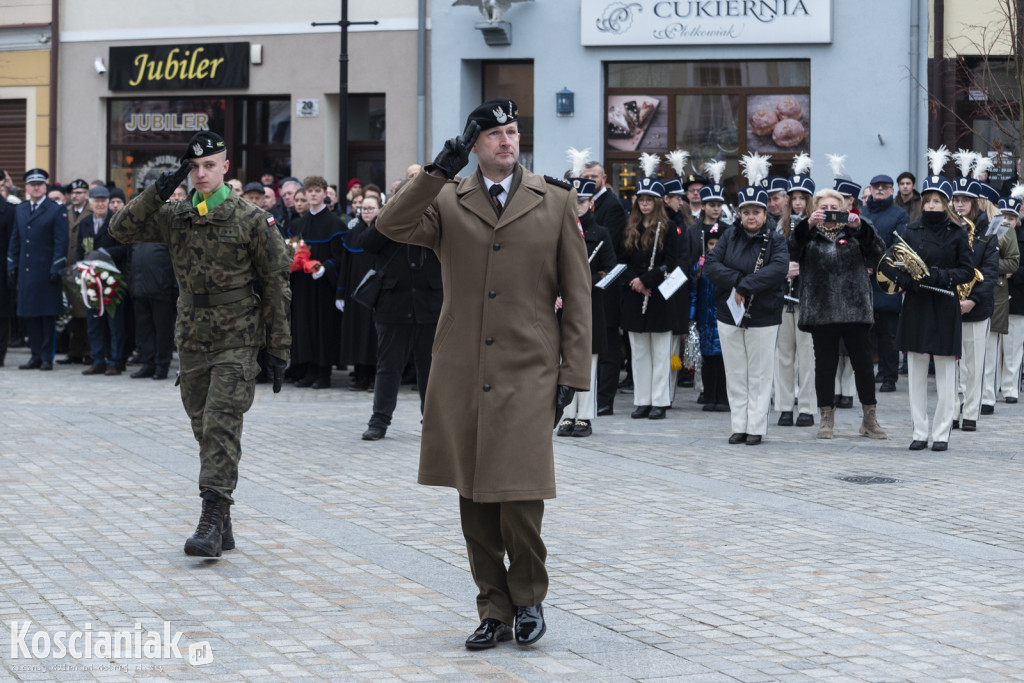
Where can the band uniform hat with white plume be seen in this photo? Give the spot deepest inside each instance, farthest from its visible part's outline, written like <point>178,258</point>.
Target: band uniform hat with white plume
<point>714,191</point>
<point>964,185</point>
<point>774,184</point>
<point>936,182</point>
<point>842,183</point>
<point>755,169</point>
<point>801,181</point>
<point>649,184</point>
<point>1013,203</point>
<point>677,160</point>
<point>982,164</point>
<point>578,160</point>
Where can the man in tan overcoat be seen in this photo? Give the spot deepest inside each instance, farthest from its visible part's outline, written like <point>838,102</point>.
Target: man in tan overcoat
<point>509,245</point>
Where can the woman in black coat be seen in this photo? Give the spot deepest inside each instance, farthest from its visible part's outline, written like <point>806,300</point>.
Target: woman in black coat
<point>836,303</point>
<point>358,334</point>
<point>747,267</point>
<point>929,319</point>
<point>646,315</point>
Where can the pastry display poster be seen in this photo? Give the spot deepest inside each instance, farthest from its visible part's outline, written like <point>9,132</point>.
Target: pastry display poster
<point>637,123</point>
<point>778,124</point>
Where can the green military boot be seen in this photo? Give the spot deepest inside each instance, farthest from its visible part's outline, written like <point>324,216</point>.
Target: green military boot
<point>208,540</point>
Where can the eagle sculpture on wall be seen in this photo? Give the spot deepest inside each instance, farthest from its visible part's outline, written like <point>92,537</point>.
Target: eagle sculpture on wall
<point>493,10</point>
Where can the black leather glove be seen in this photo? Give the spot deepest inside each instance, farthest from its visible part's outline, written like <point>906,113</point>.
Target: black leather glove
<point>562,399</point>
<point>276,371</point>
<point>169,180</point>
<point>54,278</point>
<point>12,278</point>
<point>455,154</point>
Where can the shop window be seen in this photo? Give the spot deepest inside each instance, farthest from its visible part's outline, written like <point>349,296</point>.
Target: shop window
<point>12,139</point>
<point>715,110</point>
<point>514,80</point>
<point>367,135</point>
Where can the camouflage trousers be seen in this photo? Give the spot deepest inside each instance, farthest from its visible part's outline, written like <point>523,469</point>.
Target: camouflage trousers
<point>216,390</point>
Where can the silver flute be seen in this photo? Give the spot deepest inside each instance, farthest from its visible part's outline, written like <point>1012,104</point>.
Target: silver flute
<point>650,266</point>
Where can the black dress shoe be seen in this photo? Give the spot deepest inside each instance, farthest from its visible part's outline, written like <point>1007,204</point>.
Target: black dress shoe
<point>879,378</point>
<point>700,399</point>
<point>305,382</point>
<point>887,387</point>
<point>738,437</point>
<point>46,365</point>
<point>144,371</point>
<point>640,412</point>
<point>845,402</point>
<point>686,380</point>
<point>1010,399</point>
<point>939,446</point>
<point>708,407</point>
<point>721,407</point>
<point>31,365</point>
<point>656,413</point>
<point>530,624</point>
<point>489,633</point>
<point>160,373</point>
<point>582,428</point>
<point>753,439</point>
<point>987,409</point>
<point>917,445</point>
<point>786,418</point>
<point>565,427</point>
<point>322,383</point>
<point>70,360</point>
<point>970,425</point>
<point>804,420</point>
<point>374,433</point>
<point>605,410</point>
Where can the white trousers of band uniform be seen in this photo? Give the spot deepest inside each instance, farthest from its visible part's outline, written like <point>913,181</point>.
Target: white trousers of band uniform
<point>993,357</point>
<point>583,405</point>
<point>970,368</point>
<point>1013,355</point>
<point>652,368</point>
<point>845,385</point>
<point>794,367</point>
<point>945,387</point>
<point>749,358</point>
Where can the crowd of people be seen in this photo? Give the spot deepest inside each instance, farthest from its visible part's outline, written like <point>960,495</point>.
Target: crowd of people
<point>780,296</point>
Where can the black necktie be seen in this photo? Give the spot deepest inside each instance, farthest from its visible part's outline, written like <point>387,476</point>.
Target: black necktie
<point>495,190</point>
<point>34,206</point>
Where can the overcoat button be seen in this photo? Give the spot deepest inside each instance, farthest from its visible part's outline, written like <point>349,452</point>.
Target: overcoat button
<point>492,294</point>
<point>489,341</point>
<point>487,387</point>
<point>497,246</point>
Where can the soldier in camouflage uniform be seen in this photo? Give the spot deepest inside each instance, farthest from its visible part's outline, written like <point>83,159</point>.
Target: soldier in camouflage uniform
<point>222,247</point>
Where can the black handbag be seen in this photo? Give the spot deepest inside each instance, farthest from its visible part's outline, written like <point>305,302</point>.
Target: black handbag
<point>367,292</point>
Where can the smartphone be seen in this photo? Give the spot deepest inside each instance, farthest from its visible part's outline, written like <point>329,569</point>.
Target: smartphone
<point>837,216</point>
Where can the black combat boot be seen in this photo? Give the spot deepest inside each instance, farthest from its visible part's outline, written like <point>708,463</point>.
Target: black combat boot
<point>207,541</point>
<point>227,536</point>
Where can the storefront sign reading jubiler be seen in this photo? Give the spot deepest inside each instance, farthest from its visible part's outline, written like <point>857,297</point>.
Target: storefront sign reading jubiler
<point>705,22</point>
<point>180,67</point>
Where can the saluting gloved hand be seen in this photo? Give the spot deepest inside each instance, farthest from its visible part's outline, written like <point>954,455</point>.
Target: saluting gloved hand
<point>562,399</point>
<point>455,154</point>
<point>276,371</point>
<point>169,180</point>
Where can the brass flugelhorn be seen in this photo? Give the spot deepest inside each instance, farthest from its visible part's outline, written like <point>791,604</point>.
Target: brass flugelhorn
<point>902,257</point>
<point>964,290</point>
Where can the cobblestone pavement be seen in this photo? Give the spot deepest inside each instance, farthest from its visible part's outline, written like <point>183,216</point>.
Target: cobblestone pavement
<point>673,556</point>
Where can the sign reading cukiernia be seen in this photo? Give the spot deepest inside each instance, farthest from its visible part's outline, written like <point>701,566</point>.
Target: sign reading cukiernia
<point>704,22</point>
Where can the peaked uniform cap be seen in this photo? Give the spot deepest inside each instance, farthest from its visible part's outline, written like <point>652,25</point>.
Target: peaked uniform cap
<point>712,193</point>
<point>1009,205</point>
<point>936,183</point>
<point>650,186</point>
<point>674,186</point>
<point>965,187</point>
<point>36,175</point>
<point>753,195</point>
<point>584,187</point>
<point>801,183</point>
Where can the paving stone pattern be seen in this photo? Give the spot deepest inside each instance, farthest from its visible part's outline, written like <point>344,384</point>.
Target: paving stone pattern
<point>673,556</point>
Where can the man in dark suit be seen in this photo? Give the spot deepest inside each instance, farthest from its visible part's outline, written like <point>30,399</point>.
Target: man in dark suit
<point>36,257</point>
<point>608,212</point>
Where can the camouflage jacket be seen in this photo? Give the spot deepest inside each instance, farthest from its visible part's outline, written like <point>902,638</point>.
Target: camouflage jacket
<point>233,246</point>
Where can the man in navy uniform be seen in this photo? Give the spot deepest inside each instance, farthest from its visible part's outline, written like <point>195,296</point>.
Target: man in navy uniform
<point>36,258</point>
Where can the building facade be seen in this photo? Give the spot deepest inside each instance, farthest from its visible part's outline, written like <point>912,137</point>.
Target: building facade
<point>718,79</point>
<point>133,91</point>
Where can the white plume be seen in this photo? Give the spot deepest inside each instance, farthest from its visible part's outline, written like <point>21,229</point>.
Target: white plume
<point>755,167</point>
<point>578,159</point>
<point>836,162</point>
<point>802,164</point>
<point>964,159</point>
<point>677,159</point>
<point>649,164</point>
<point>937,159</point>
<point>1018,192</point>
<point>714,170</point>
<point>982,164</point>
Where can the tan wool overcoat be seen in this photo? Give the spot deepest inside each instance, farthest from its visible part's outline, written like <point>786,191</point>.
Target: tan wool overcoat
<point>499,353</point>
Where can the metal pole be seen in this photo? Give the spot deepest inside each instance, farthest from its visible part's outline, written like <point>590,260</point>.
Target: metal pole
<point>343,100</point>
<point>421,85</point>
